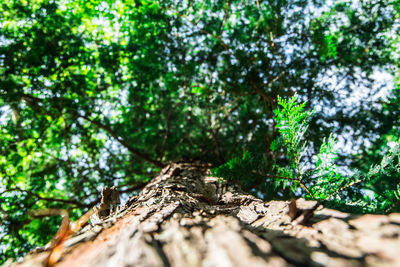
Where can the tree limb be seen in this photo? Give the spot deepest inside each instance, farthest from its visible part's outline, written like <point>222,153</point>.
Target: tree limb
<point>135,186</point>
<point>122,141</point>
<point>48,199</point>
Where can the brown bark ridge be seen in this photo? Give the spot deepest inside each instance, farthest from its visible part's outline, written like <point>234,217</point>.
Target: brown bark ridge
<point>185,217</point>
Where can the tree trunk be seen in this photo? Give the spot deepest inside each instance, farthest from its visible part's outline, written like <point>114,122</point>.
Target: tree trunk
<point>185,217</point>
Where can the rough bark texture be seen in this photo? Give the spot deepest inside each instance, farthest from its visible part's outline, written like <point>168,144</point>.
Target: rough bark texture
<point>184,217</point>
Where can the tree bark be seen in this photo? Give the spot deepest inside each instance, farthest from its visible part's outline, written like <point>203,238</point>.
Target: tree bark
<point>185,217</point>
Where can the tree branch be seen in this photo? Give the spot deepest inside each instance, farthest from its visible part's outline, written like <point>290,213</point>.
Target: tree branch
<point>135,186</point>
<point>274,176</point>
<point>168,130</point>
<point>218,38</point>
<point>123,142</point>
<point>287,178</point>
<point>214,137</point>
<point>48,199</point>
<point>32,100</point>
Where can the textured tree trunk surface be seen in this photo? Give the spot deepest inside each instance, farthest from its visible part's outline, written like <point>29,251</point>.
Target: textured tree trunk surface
<point>185,217</point>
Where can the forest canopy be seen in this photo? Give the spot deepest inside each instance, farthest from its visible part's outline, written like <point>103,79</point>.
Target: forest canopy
<point>105,93</point>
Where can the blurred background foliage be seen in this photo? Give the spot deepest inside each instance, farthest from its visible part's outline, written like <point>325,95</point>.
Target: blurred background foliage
<point>102,92</point>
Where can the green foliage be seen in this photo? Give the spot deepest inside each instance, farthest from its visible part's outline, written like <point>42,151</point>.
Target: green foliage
<point>100,93</point>
<point>383,179</point>
<point>237,169</point>
<point>328,179</point>
<point>292,124</point>
<point>247,171</point>
<point>323,183</point>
